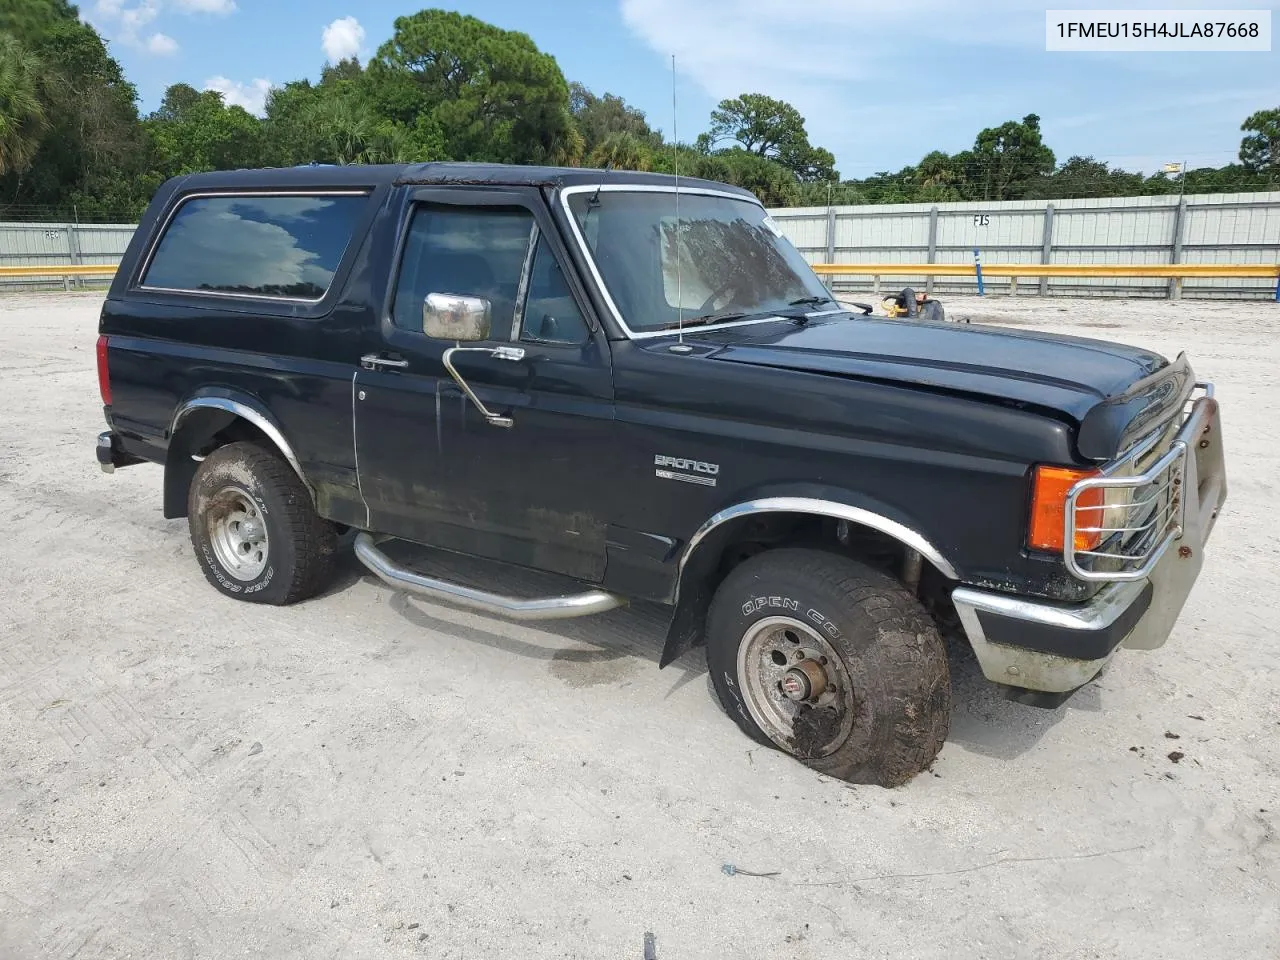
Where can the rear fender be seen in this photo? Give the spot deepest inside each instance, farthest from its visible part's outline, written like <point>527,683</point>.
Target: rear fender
<point>197,421</point>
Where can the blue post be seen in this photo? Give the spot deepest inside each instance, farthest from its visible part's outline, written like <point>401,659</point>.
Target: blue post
<point>1278,288</point>
<point>977,266</point>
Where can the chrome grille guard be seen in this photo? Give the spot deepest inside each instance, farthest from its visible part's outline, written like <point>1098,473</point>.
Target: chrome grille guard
<point>1135,535</point>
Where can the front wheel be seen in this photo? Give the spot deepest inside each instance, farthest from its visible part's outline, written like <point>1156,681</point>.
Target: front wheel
<point>832,662</point>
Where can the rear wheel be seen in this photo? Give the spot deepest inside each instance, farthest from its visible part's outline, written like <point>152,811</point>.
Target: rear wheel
<point>824,658</point>
<point>254,529</point>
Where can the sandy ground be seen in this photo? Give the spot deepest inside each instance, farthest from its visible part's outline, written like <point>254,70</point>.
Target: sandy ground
<point>360,776</point>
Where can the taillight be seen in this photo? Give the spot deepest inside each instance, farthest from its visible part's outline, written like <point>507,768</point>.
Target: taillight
<point>1049,486</point>
<point>104,377</point>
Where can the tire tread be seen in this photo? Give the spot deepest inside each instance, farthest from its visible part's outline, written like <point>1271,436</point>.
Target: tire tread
<point>915,689</point>
<point>314,539</point>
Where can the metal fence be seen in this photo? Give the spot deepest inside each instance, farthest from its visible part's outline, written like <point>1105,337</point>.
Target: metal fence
<point>1236,228</point>
<point>59,244</point>
<point>1241,228</point>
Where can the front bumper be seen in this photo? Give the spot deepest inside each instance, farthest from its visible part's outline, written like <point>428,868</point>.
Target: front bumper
<point>1055,648</point>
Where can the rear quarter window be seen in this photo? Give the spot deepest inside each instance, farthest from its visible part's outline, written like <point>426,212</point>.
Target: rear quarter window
<point>280,247</point>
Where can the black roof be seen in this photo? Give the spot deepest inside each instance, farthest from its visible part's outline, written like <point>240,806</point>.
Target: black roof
<point>487,174</point>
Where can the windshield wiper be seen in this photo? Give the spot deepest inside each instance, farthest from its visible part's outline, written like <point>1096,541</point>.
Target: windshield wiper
<point>802,318</point>
<point>705,319</point>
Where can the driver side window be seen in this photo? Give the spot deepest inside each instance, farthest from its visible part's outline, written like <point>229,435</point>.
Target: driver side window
<point>465,251</point>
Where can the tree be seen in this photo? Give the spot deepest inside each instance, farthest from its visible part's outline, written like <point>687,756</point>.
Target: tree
<point>28,19</point>
<point>342,71</point>
<point>772,129</point>
<point>1260,150</point>
<point>448,86</point>
<point>204,134</point>
<point>179,98</point>
<point>759,124</point>
<point>93,153</point>
<point>491,92</point>
<point>830,194</point>
<point>600,118</point>
<point>1085,177</point>
<point>335,122</point>
<point>22,115</point>
<point>1007,158</point>
<point>772,183</point>
<point>623,151</point>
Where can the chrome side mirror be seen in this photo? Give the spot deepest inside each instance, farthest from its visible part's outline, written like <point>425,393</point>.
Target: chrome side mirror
<point>446,316</point>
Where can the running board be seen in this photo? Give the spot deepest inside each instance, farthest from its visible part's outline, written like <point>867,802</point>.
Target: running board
<point>542,608</point>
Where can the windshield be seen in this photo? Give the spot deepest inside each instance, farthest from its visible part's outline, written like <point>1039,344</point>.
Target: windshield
<point>726,261</point>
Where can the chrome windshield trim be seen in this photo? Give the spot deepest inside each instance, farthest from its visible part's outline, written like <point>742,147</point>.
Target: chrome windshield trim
<point>598,278</point>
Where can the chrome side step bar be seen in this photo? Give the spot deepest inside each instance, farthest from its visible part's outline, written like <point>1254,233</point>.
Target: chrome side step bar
<point>542,608</point>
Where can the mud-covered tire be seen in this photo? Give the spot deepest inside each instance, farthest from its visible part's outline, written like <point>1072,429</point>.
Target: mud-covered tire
<point>897,705</point>
<point>253,483</point>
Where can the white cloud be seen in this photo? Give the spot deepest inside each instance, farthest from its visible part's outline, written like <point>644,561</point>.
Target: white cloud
<point>220,7</point>
<point>252,95</point>
<point>125,23</point>
<point>133,19</point>
<point>342,39</point>
<point>128,24</point>
<point>162,45</point>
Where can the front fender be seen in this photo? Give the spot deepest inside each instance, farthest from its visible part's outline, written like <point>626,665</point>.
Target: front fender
<point>825,500</point>
<point>693,588</point>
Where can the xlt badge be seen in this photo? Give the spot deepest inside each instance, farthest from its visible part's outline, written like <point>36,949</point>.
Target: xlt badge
<point>690,471</point>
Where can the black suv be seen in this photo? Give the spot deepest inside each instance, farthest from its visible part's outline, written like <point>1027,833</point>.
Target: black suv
<point>636,382</point>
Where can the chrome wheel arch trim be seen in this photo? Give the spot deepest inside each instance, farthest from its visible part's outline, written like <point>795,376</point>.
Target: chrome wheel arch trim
<point>255,417</point>
<point>905,535</point>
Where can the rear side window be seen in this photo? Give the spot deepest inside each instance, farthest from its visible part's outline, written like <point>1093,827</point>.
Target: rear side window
<point>285,247</point>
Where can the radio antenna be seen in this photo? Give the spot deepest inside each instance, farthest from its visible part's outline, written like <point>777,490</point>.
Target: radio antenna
<point>595,197</point>
<point>675,166</point>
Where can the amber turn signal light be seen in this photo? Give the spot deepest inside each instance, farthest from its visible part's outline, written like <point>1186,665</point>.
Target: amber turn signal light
<point>1049,486</point>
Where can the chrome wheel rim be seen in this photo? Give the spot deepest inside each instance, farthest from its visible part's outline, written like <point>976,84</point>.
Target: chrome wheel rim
<point>795,686</point>
<point>238,533</point>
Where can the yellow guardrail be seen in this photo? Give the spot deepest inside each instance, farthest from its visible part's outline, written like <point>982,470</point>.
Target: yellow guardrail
<point>1176,273</point>
<point>67,270</point>
<point>1172,270</point>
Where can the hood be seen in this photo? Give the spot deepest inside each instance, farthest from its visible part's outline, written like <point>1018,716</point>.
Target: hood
<point>1072,377</point>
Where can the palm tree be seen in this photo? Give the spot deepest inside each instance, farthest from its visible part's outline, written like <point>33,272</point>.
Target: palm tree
<point>22,118</point>
<point>625,151</point>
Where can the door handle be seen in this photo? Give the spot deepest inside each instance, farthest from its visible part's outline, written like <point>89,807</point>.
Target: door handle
<point>372,361</point>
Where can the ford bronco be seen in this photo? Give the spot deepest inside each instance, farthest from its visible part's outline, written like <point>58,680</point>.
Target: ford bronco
<point>637,383</point>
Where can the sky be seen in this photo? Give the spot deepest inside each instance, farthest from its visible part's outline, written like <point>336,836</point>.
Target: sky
<point>879,82</point>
